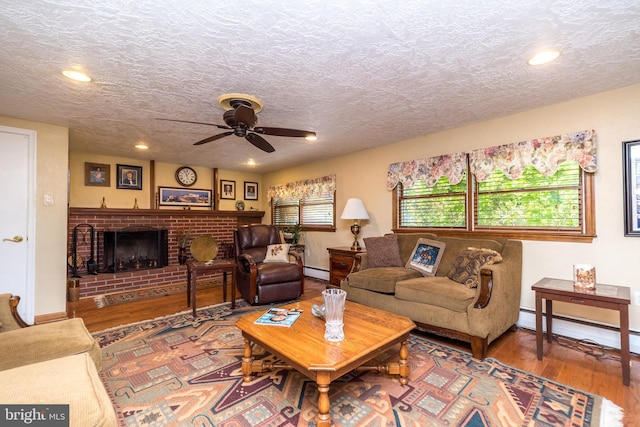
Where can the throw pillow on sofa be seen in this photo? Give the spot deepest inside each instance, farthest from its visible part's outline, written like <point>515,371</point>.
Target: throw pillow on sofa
<point>277,253</point>
<point>383,251</point>
<point>467,265</point>
<point>426,256</point>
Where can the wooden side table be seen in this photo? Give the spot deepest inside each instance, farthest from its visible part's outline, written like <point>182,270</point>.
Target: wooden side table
<point>223,266</point>
<point>604,296</point>
<point>341,261</point>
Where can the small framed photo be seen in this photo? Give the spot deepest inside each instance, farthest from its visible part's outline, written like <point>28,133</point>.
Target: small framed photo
<point>227,189</point>
<point>170,196</point>
<point>129,177</point>
<point>250,190</point>
<point>631,158</point>
<point>97,175</point>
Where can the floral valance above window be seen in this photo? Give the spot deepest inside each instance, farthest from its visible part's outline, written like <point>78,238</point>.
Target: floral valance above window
<point>301,189</point>
<point>545,154</point>
<point>430,170</point>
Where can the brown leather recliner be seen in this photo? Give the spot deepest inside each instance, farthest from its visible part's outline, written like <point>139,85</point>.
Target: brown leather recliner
<point>260,282</point>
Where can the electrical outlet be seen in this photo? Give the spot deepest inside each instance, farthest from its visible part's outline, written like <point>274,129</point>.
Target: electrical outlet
<point>636,298</point>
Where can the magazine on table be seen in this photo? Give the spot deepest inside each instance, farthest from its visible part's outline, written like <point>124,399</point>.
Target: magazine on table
<point>279,317</point>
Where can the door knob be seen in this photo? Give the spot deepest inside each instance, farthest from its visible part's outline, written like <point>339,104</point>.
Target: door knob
<point>16,239</point>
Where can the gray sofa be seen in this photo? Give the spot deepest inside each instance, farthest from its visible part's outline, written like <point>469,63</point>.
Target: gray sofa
<point>477,315</point>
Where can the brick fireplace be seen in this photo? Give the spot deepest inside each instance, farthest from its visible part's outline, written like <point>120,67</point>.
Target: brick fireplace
<point>217,224</point>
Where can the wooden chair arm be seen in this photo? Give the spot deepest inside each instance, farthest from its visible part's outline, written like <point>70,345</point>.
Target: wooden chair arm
<point>359,262</point>
<point>486,287</point>
<point>13,306</point>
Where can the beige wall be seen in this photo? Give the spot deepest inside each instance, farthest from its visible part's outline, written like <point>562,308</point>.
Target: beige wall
<point>51,221</point>
<point>612,114</point>
<point>91,196</point>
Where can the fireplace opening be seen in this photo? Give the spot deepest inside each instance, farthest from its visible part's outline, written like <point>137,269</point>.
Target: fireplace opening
<point>135,248</point>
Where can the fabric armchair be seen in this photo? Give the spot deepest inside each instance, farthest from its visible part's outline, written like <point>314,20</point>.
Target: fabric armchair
<point>263,282</point>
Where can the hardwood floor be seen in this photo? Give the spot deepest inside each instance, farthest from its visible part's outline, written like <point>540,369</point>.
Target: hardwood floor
<point>563,364</point>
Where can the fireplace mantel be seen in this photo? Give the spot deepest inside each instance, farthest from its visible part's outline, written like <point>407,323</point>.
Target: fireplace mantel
<point>244,217</point>
<point>215,223</point>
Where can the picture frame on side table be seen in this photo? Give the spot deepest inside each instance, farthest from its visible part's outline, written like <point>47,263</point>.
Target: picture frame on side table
<point>170,196</point>
<point>250,190</point>
<point>129,177</point>
<point>227,189</point>
<point>631,165</point>
<point>97,174</point>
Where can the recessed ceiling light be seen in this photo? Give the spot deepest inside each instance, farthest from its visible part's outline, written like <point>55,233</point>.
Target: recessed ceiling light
<point>544,57</point>
<point>78,76</point>
<point>251,162</point>
<point>142,146</point>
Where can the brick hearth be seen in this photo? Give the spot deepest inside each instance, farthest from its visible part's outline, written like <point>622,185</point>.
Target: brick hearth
<point>217,224</point>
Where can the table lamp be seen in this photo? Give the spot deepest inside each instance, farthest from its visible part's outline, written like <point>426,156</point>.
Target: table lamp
<point>354,209</point>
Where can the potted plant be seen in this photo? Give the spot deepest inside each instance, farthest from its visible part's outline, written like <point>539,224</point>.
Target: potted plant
<point>292,233</point>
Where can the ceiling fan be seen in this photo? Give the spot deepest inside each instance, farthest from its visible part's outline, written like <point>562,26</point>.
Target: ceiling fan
<point>240,119</point>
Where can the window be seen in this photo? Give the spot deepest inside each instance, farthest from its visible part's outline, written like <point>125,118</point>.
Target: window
<point>312,212</point>
<point>539,189</point>
<point>558,207</point>
<point>443,205</point>
<point>309,203</point>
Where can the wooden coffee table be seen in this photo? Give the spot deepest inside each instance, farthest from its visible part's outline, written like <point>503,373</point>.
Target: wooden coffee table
<point>368,332</point>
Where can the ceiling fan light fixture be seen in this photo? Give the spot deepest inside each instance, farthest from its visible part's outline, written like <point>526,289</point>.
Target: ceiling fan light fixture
<point>313,137</point>
<point>78,76</point>
<point>226,101</point>
<point>544,57</point>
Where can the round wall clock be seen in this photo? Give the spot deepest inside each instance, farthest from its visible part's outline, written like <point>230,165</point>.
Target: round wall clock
<point>186,176</point>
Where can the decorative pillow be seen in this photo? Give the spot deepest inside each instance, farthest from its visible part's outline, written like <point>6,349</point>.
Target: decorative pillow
<point>383,251</point>
<point>426,256</point>
<point>277,253</point>
<point>466,268</point>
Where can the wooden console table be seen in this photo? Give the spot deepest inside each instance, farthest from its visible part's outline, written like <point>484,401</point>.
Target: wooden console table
<point>223,266</point>
<point>604,296</point>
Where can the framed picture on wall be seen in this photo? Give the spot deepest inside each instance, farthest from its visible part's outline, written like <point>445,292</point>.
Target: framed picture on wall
<point>129,177</point>
<point>97,174</point>
<point>170,196</point>
<point>631,159</point>
<point>227,189</point>
<point>250,190</point>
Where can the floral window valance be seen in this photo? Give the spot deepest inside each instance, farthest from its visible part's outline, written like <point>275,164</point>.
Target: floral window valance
<point>301,189</point>
<point>545,154</point>
<point>430,170</point>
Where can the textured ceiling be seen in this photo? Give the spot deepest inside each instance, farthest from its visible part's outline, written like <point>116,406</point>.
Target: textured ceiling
<point>359,73</point>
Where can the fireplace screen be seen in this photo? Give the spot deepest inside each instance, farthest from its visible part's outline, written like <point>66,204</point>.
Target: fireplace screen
<point>135,248</point>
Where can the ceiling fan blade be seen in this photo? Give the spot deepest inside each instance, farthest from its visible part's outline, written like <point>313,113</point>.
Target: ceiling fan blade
<point>284,132</point>
<point>195,123</point>
<point>245,115</point>
<point>213,138</point>
<point>260,142</point>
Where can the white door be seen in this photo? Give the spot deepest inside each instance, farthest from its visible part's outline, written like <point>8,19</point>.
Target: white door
<point>17,216</point>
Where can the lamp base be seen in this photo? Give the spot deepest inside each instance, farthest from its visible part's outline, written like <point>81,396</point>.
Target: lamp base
<point>355,229</point>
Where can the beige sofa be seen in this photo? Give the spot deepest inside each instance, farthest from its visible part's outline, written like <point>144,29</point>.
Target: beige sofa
<point>438,304</point>
<point>52,363</point>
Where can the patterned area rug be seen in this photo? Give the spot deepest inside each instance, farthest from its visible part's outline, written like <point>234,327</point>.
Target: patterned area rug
<point>177,371</point>
<point>149,293</point>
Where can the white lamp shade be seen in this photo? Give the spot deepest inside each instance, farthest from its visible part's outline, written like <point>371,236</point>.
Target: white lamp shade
<point>354,209</point>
